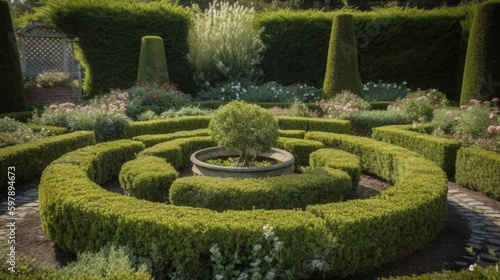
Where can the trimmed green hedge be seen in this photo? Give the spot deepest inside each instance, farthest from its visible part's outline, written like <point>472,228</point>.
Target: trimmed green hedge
<point>51,130</point>
<point>152,139</point>
<point>314,124</point>
<point>30,159</point>
<point>338,159</point>
<point>358,235</point>
<point>166,126</point>
<point>299,148</point>
<point>299,134</point>
<point>477,169</point>
<point>177,152</point>
<point>363,122</point>
<point>147,178</point>
<point>442,151</point>
<point>293,191</point>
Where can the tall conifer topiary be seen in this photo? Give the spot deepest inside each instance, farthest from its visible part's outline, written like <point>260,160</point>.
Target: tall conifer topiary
<point>11,78</point>
<point>482,64</point>
<point>342,71</point>
<point>152,60</point>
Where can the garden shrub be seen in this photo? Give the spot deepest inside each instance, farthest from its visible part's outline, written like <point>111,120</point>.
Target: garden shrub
<point>52,79</point>
<point>363,122</point>
<point>189,110</point>
<point>338,159</point>
<point>30,159</point>
<point>314,124</point>
<point>477,169</point>
<point>110,55</point>
<point>166,126</point>
<point>343,105</point>
<point>224,45</point>
<point>342,71</point>
<point>48,129</point>
<point>152,61</point>
<point>148,178</point>
<point>441,151</point>
<point>177,152</point>
<point>152,139</point>
<point>420,105</point>
<point>11,77</point>
<point>299,134</point>
<point>481,73</point>
<point>316,186</point>
<point>299,148</point>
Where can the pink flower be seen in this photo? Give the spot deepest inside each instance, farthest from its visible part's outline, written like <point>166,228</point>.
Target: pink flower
<point>495,100</point>
<point>491,129</point>
<point>498,128</point>
<point>492,115</point>
<point>414,125</point>
<point>449,113</point>
<point>457,118</point>
<point>463,107</point>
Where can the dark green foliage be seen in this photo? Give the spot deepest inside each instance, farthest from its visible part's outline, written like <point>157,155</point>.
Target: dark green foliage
<point>19,116</point>
<point>314,124</point>
<point>152,139</point>
<point>482,65</point>
<point>441,151</point>
<point>147,178</point>
<point>166,126</point>
<point>299,148</point>
<point>342,72</point>
<point>11,77</point>
<point>317,186</point>
<point>110,35</point>
<point>152,61</point>
<point>364,121</point>
<point>338,159</point>
<point>445,275</point>
<point>423,47</point>
<point>477,169</point>
<point>30,159</point>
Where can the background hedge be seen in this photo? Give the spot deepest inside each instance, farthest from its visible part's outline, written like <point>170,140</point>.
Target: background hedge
<point>109,39</point>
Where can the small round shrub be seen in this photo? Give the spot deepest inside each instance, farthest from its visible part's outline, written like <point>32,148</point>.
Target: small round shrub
<point>245,127</point>
<point>148,178</point>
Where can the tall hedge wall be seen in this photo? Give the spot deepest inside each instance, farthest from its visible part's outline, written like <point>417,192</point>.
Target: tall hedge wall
<point>426,48</point>
<point>110,35</point>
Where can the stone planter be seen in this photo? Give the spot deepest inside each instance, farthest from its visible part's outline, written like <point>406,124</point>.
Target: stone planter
<point>200,167</point>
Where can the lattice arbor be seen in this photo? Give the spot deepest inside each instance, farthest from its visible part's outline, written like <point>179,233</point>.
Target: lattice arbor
<point>44,48</point>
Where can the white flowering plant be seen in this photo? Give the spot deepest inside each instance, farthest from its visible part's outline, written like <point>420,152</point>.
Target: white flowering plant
<point>382,91</point>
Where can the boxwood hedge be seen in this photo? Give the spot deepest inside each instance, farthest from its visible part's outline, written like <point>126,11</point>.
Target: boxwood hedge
<point>358,235</point>
<point>338,159</point>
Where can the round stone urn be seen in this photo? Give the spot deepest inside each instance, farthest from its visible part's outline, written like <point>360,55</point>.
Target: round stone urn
<point>200,167</point>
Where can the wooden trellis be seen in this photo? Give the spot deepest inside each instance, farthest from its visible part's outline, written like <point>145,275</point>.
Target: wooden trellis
<point>44,48</point>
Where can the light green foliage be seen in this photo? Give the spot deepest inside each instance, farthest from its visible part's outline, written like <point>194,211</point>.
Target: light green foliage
<point>481,75</point>
<point>104,115</point>
<point>338,159</point>
<point>343,105</point>
<point>315,124</point>
<point>245,127</point>
<point>254,92</point>
<point>342,71</point>
<point>382,91</point>
<point>189,110</point>
<point>109,260</point>
<point>152,61</point>
<point>147,178</point>
<point>224,45</point>
<point>299,148</point>
<point>14,132</point>
<point>31,158</point>
<point>166,126</point>
<point>292,191</point>
<point>151,140</point>
<point>51,79</point>
<point>420,105</point>
<point>155,97</point>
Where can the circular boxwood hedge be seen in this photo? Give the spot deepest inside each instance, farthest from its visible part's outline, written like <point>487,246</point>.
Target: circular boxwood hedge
<point>354,236</point>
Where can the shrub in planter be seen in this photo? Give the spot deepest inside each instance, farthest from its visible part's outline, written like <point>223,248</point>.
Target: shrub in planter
<point>245,127</point>
<point>152,60</point>
<point>148,178</point>
<point>342,71</point>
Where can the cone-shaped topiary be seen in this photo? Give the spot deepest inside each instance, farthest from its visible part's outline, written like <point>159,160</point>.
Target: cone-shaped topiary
<point>152,61</point>
<point>482,64</point>
<point>342,71</point>
<point>11,78</point>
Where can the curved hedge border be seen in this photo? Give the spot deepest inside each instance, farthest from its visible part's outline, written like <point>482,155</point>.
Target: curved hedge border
<point>477,169</point>
<point>152,139</point>
<point>198,122</point>
<point>317,186</point>
<point>30,159</point>
<point>358,235</point>
<point>338,159</point>
<point>299,148</point>
<point>147,178</point>
<point>442,151</point>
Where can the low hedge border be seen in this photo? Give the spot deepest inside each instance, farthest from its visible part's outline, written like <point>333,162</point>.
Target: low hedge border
<point>442,151</point>
<point>148,178</point>
<point>299,134</point>
<point>338,159</point>
<point>152,139</point>
<point>30,159</point>
<point>477,169</point>
<point>292,191</point>
<point>165,126</point>
<point>299,148</point>
<point>315,124</point>
<point>51,130</point>
<point>359,235</point>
